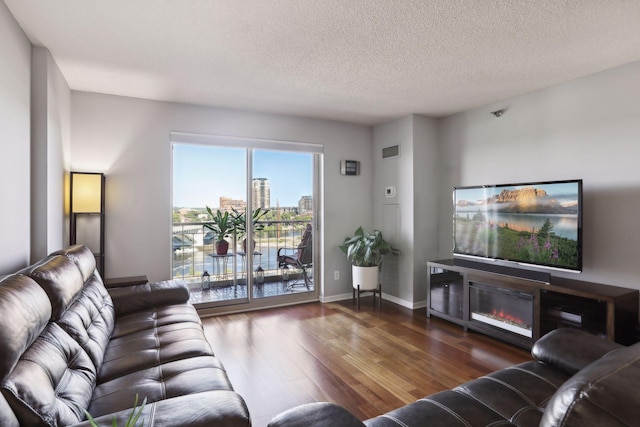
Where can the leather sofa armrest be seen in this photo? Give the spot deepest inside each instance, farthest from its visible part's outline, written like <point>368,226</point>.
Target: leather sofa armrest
<point>319,414</point>
<point>570,350</point>
<point>205,409</point>
<point>117,282</point>
<point>129,299</point>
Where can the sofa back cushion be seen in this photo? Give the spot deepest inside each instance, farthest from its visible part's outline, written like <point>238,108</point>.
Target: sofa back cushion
<point>24,313</point>
<point>90,320</point>
<point>82,257</point>
<point>603,393</point>
<point>25,310</point>
<point>61,280</point>
<point>52,382</point>
<point>90,317</point>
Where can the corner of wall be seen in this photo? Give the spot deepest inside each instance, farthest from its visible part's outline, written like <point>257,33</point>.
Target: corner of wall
<point>50,140</point>
<point>414,174</point>
<point>15,76</point>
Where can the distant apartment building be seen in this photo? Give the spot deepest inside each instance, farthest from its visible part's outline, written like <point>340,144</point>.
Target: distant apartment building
<point>305,204</point>
<point>228,204</point>
<point>261,193</point>
<point>288,209</point>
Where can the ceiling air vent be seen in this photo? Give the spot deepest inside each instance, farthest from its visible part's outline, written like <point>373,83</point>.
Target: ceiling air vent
<point>388,152</point>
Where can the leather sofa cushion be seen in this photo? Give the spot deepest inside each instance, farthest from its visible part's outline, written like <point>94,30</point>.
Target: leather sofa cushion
<point>136,298</point>
<point>150,319</point>
<point>167,380</point>
<point>604,393</point>
<point>51,382</point>
<point>90,319</point>
<point>571,349</point>
<point>148,348</point>
<point>516,395</point>
<point>20,323</point>
<point>82,258</point>
<point>20,326</point>
<point>60,279</point>
<point>316,414</point>
<point>217,408</point>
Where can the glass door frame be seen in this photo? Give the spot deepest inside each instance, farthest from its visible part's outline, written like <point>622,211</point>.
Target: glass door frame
<point>251,144</point>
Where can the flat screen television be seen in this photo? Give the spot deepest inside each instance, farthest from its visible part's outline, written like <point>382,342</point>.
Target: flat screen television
<point>533,224</point>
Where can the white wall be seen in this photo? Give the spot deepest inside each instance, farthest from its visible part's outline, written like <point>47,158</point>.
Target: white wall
<point>588,128</point>
<point>425,202</point>
<point>15,72</point>
<point>398,172</point>
<point>128,139</point>
<point>414,174</point>
<point>50,145</point>
<point>59,155</point>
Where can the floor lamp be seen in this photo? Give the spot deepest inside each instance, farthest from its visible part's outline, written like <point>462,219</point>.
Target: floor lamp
<point>87,213</point>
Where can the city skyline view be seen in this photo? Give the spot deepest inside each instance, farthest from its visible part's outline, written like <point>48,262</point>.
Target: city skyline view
<point>203,174</point>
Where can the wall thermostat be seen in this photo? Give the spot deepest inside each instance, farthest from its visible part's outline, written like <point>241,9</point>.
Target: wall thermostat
<point>350,167</point>
<point>390,191</point>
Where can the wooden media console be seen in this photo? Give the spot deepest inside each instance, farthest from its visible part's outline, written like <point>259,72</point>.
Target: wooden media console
<point>519,306</point>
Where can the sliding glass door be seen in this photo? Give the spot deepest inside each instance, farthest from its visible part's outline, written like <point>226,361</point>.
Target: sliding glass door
<point>282,186</point>
<point>205,253</point>
<point>244,220</point>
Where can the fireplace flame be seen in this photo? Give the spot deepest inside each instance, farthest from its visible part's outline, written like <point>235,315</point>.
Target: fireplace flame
<point>506,316</point>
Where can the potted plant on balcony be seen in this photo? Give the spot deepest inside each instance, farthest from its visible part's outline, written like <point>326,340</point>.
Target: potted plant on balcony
<point>240,223</point>
<point>222,225</point>
<point>365,252</point>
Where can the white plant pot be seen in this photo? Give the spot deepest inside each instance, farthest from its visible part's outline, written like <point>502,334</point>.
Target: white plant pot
<point>366,277</point>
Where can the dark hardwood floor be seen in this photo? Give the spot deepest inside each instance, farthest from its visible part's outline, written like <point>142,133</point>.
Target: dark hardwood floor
<point>369,361</point>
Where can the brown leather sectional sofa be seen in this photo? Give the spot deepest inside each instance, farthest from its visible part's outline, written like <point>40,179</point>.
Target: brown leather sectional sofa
<point>576,380</point>
<point>69,344</point>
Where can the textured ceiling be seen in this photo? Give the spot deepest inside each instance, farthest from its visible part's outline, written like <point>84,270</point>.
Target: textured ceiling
<point>351,60</point>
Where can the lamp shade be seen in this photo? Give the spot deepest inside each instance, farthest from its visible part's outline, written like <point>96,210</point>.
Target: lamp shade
<point>86,192</point>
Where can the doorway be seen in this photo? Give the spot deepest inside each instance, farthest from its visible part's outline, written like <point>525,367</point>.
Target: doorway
<point>264,194</point>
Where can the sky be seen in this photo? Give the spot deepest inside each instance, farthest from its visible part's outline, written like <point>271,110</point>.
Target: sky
<point>202,174</point>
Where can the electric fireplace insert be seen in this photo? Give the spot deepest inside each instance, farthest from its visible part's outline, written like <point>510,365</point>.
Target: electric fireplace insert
<point>506,311</point>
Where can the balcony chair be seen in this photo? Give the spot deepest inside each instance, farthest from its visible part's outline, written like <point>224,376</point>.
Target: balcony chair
<point>300,258</point>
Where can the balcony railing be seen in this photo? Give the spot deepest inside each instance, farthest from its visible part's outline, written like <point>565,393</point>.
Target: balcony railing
<point>193,245</point>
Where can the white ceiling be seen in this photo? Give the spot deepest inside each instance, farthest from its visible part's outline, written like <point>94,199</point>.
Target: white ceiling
<point>364,61</point>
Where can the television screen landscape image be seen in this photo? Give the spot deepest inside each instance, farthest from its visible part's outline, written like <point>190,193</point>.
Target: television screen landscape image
<point>535,223</point>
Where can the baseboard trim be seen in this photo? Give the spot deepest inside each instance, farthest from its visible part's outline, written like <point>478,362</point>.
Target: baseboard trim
<point>335,298</point>
<point>420,304</point>
<point>386,297</point>
<point>404,303</point>
<point>233,309</point>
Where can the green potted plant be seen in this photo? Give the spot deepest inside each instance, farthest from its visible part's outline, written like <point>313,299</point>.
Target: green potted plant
<point>240,223</point>
<point>222,225</point>
<point>133,420</point>
<point>365,252</point>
